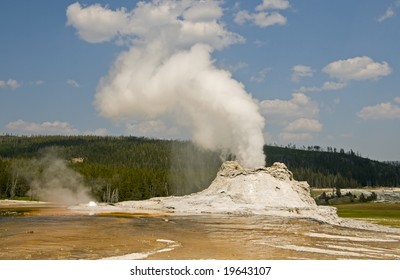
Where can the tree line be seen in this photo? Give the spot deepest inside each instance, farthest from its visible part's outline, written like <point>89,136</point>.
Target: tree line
<point>134,168</point>
<point>328,168</point>
<point>127,168</point>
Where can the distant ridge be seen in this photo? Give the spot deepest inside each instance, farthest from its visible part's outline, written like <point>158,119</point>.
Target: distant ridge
<point>142,168</point>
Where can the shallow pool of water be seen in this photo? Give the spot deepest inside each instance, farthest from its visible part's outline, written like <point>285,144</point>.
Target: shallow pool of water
<point>57,233</point>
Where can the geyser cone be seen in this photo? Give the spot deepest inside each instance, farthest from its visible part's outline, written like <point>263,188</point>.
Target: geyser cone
<point>237,190</point>
<point>240,191</point>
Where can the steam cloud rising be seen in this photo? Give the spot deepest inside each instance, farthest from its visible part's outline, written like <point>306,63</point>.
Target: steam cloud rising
<point>168,74</point>
<point>51,180</point>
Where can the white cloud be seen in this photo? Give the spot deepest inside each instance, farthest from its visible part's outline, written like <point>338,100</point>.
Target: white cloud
<point>242,16</point>
<point>301,71</point>
<point>73,83</point>
<point>390,11</point>
<point>269,19</point>
<point>300,106</point>
<point>388,110</point>
<point>98,132</point>
<point>50,128</point>
<point>10,83</point>
<point>203,12</point>
<point>325,87</point>
<point>333,85</point>
<point>181,23</point>
<point>96,24</point>
<point>388,14</point>
<point>260,76</point>
<point>289,136</point>
<point>295,116</point>
<point>13,84</point>
<point>304,125</point>
<point>59,128</point>
<point>261,17</point>
<point>357,68</point>
<point>301,129</point>
<point>152,128</point>
<point>273,4</point>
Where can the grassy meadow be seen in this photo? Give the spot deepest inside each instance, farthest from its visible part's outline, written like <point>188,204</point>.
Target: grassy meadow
<point>380,213</point>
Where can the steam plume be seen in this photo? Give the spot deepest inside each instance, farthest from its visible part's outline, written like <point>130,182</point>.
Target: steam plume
<point>51,180</point>
<point>168,74</point>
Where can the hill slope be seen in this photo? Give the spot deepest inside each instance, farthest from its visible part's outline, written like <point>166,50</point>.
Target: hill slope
<point>335,169</point>
<point>131,168</point>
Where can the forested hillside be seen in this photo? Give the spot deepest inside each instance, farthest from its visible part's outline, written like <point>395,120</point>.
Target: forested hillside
<point>137,168</point>
<point>332,168</point>
<point>131,168</point>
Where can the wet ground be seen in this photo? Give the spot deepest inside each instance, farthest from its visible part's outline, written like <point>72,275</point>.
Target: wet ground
<point>57,233</point>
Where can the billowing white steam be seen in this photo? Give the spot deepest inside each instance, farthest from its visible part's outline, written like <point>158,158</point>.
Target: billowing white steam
<point>168,73</point>
<point>51,180</point>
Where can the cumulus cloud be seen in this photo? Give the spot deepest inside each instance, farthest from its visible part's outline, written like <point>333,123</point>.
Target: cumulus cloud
<point>10,83</point>
<point>301,129</point>
<point>23,127</point>
<point>96,24</point>
<point>296,116</point>
<point>168,73</point>
<point>301,71</point>
<point>329,85</point>
<point>97,131</point>
<point>388,110</point>
<point>299,106</point>
<point>304,125</point>
<point>49,128</point>
<point>299,136</point>
<point>273,4</point>
<point>263,17</point>
<point>357,68</point>
<point>180,23</point>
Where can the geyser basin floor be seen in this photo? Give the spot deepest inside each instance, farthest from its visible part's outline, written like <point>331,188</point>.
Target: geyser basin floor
<point>38,234</point>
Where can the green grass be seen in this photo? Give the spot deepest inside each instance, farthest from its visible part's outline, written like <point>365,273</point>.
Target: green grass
<point>380,213</point>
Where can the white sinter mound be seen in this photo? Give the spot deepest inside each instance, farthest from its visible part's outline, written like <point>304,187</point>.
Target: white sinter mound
<point>236,190</point>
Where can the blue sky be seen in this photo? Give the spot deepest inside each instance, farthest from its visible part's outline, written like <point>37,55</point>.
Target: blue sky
<point>321,72</point>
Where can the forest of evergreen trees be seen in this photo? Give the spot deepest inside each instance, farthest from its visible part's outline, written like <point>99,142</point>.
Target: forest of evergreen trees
<point>132,168</point>
<point>334,168</point>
